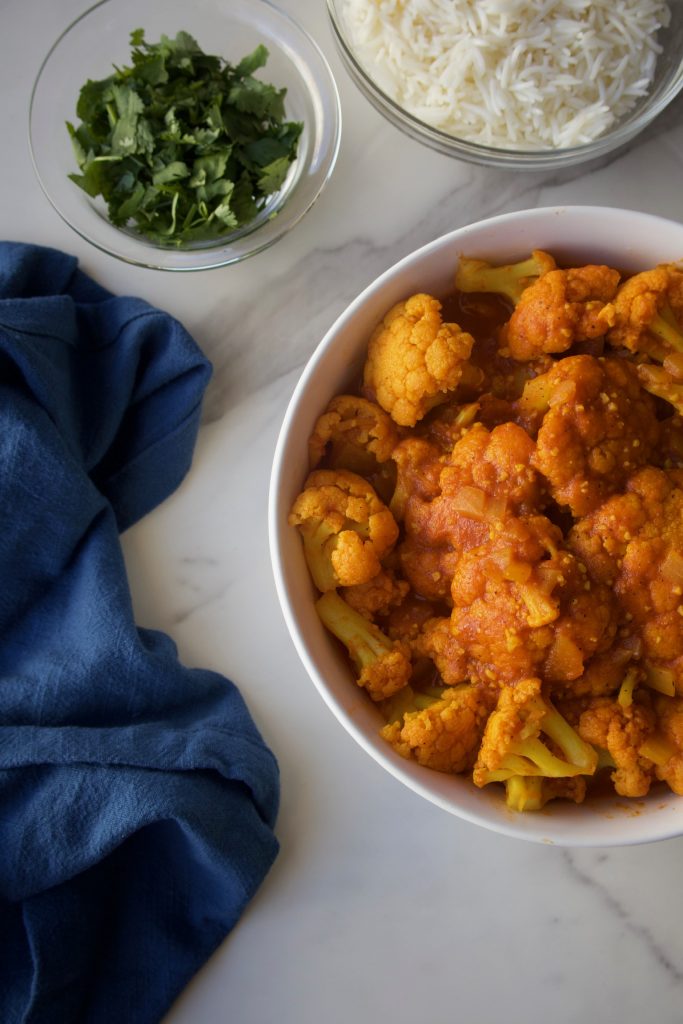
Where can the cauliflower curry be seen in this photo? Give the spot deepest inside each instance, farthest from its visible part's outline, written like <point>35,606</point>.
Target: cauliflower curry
<point>494,522</point>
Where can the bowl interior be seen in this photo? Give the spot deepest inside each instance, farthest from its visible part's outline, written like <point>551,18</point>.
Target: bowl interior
<point>666,84</point>
<point>100,38</point>
<point>632,241</point>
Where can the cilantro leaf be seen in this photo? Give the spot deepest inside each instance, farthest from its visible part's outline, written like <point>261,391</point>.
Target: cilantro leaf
<point>209,168</point>
<point>252,96</point>
<point>252,62</point>
<point>264,151</point>
<point>170,172</point>
<point>273,176</point>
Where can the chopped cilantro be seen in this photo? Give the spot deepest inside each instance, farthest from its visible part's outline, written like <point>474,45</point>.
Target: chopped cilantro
<point>183,144</point>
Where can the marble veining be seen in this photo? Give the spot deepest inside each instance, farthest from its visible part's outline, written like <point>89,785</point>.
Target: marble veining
<point>660,955</point>
<point>380,906</point>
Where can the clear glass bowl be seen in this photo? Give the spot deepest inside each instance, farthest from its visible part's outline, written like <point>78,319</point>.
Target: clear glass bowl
<point>667,84</point>
<point>100,38</point>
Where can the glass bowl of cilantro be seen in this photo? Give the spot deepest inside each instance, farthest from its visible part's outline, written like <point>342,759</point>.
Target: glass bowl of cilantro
<point>183,136</point>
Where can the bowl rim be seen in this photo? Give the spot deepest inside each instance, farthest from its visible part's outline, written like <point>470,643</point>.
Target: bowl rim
<point>278,530</point>
<point>138,251</point>
<point>453,145</point>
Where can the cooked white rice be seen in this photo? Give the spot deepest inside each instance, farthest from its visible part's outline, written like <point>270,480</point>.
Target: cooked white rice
<point>518,74</point>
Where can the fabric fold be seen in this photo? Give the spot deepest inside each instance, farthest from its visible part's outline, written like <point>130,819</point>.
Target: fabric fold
<point>137,796</point>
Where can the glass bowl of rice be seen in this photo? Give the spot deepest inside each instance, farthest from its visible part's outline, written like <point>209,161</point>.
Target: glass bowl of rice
<point>515,83</point>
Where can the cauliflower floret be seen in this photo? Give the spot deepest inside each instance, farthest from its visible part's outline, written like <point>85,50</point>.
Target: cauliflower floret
<point>523,606</point>
<point>428,568</point>
<point>378,596</point>
<point>598,429</point>
<point>418,467</point>
<point>414,359</point>
<point>353,433</point>
<point>510,280</point>
<point>490,474</point>
<point>648,313</point>
<point>406,621</point>
<point>496,463</point>
<point>515,741</point>
<point>346,528</point>
<point>603,673</point>
<point>486,476</point>
<point>437,642</point>
<point>532,792</point>
<point>383,666</point>
<point>621,731</point>
<point>561,308</point>
<point>426,561</point>
<point>445,735</point>
<point>634,544</point>
<point>666,749</point>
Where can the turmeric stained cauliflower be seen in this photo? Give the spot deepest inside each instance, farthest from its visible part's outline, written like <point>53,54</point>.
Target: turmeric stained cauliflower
<point>598,429</point>
<point>427,566</point>
<point>383,666</point>
<point>378,596</point>
<point>634,544</point>
<point>345,527</point>
<point>418,467</point>
<point>533,792</point>
<point>522,736</point>
<point>524,607</point>
<point>667,748</point>
<point>486,476</point>
<point>603,674</point>
<point>621,731</point>
<point>490,473</point>
<point>496,528</point>
<point>560,308</point>
<point>437,642</point>
<point>353,433</point>
<point>510,279</point>
<point>445,735</point>
<point>414,359</point>
<point>648,313</point>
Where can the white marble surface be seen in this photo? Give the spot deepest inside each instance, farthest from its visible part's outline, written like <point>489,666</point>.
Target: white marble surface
<point>380,906</point>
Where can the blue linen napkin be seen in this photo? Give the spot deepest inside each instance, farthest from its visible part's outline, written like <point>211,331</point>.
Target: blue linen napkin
<point>137,798</point>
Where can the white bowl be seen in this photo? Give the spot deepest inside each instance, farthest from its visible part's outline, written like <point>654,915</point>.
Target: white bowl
<point>625,239</point>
